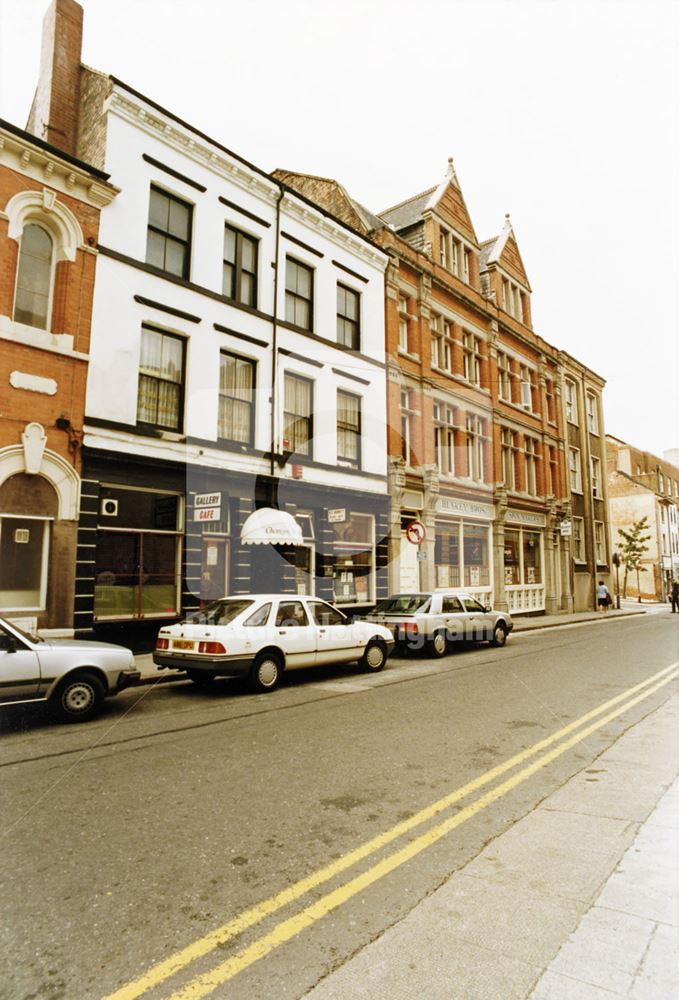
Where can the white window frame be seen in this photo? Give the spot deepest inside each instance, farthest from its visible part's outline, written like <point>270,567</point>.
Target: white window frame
<point>403,324</point>
<point>599,543</point>
<point>37,221</point>
<point>579,550</point>
<point>444,438</point>
<point>592,414</point>
<point>44,561</point>
<point>575,471</point>
<point>407,414</point>
<point>507,457</point>
<point>597,491</point>
<point>504,375</point>
<point>571,401</point>
<point>531,459</point>
<point>526,390</point>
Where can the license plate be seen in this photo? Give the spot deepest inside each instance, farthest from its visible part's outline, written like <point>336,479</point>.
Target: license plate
<point>182,644</point>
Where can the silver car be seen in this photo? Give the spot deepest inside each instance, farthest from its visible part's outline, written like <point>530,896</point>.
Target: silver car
<point>435,619</point>
<point>72,676</point>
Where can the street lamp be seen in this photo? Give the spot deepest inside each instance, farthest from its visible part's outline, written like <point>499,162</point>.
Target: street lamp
<point>616,563</point>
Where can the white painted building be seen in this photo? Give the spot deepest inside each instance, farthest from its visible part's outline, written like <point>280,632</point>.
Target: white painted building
<point>237,357</point>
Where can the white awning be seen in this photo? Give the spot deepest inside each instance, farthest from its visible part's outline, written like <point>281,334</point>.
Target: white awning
<point>270,526</point>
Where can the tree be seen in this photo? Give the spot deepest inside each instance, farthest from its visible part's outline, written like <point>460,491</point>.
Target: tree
<point>632,548</point>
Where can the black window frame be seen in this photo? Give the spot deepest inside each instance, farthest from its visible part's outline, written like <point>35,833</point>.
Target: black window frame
<point>187,243</point>
<point>343,320</point>
<point>355,463</point>
<point>297,416</point>
<point>250,361</point>
<point>182,383</point>
<point>238,269</point>
<point>294,296</point>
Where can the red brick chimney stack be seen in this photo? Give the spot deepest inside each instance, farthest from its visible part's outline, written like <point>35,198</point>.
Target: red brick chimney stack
<point>54,114</point>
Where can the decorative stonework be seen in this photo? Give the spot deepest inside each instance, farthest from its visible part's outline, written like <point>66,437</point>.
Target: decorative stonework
<point>33,383</point>
<point>34,440</point>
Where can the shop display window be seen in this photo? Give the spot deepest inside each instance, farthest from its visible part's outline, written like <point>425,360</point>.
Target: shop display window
<point>512,558</point>
<point>354,557</point>
<point>137,556</point>
<point>476,563</point>
<point>532,569</point>
<point>447,557</point>
<point>23,563</point>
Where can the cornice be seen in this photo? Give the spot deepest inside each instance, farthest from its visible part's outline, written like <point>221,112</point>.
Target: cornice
<point>48,169</point>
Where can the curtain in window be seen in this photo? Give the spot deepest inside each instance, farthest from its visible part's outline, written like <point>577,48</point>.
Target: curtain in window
<point>348,426</point>
<point>236,382</point>
<point>297,416</point>
<point>160,376</point>
<point>34,277</point>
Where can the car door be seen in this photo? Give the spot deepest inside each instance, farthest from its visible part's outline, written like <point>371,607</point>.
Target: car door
<point>295,635</point>
<point>454,618</point>
<point>478,624</point>
<point>19,668</point>
<point>339,640</point>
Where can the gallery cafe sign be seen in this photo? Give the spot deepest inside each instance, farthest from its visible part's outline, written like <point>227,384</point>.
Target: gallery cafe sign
<point>464,508</point>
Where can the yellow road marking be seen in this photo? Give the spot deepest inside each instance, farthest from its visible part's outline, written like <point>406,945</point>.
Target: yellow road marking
<point>179,960</point>
<point>209,981</point>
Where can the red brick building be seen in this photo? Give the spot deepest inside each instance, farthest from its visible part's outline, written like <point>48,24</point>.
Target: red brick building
<point>49,216</point>
<point>477,428</point>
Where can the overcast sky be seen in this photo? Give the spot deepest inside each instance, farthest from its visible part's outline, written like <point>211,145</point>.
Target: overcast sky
<point>564,113</point>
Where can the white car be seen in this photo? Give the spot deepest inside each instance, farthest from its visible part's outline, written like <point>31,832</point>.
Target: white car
<point>259,636</point>
<point>72,676</point>
<point>440,617</point>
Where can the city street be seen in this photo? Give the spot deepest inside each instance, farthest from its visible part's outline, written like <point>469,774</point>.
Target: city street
<point>192,843</point>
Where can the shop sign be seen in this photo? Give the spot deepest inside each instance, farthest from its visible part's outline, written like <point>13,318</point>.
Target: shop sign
<point>415,532</point>
<point>525,517</point>
<point>207,500</point>
<point>422,555</point>
<point>474,576</point>
<point>337,515</point>
<point>566,528</point>
<point>207,514</point>
<point>469,508</point>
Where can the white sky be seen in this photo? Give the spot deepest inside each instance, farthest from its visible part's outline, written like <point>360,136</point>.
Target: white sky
<point>562,112</point>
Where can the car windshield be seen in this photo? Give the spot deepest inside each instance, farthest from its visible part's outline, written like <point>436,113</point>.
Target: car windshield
<point>30,636</point>
<point>219,612</point>
<point>404,604</point>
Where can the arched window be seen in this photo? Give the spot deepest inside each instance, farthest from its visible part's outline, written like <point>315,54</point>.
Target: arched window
<point>34,277</point>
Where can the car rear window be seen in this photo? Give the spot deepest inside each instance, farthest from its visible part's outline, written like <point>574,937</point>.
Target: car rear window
<point>404,604</point>
<point>219,612</point>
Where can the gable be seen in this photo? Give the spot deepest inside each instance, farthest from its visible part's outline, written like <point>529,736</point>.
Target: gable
<point>450,207</point>
<point>510,260</point>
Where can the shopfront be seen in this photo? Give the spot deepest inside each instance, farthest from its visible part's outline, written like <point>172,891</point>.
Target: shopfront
<point>463,546</point>
<point>524,560</point>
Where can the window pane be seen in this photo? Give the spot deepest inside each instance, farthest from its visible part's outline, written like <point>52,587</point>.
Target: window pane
<point>159,210</point>
<point>155,249</point>
<point>228,280</point>
<point>158,584</point>
<point>175,257</point>
<point>34,277</point>
<point>21,548</point>
<point>180,220</point>
<point>230,245</point>
<point>531,557</point>
<point>116,574</point>
<point>249,255</point>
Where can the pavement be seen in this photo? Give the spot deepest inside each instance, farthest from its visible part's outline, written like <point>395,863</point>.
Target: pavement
<point>579,900</point>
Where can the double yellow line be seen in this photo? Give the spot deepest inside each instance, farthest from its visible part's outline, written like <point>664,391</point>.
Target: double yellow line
<point>205,983</point>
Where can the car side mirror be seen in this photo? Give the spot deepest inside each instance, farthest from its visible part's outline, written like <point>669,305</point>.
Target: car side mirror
<point>487,608</point>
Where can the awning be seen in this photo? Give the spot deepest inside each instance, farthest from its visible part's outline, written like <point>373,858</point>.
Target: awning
<point>270,526</point>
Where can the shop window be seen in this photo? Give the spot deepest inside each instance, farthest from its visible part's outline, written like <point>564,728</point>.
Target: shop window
<point>354,557</point>
<point>236,398</point>
<point>447,556</point>
<point>160,398</point>
<point>35,277</point>
<point>298,415</point>
<point>137,563</point>
<point>168,243</point>
<point>214,570</point>
<point>304,556</point>
<point>24,546</point>
<point>512,557</point>
<point>532,568</point>
<point>476,556</point>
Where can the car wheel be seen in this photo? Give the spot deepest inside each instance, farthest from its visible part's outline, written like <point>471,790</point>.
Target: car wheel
<point>265,673</point>
<point>438,644</point>
<point>78,698</point>
<point>499,635</point>
<point>374,657</point>
<point>203,678</point>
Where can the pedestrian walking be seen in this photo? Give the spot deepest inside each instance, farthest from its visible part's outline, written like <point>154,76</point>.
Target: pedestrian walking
<point>675,596</point>
<point>603,597</point>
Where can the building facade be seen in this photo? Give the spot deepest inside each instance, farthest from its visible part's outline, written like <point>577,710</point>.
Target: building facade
<point>641,484</point>
<point>476,425</point>
<point>50,204</point>
<point>235,414</point>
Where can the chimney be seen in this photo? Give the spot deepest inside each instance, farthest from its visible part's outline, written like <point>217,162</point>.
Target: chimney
<point>54,114</point>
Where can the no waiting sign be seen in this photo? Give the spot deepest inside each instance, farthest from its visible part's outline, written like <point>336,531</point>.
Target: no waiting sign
<point>415,532</point>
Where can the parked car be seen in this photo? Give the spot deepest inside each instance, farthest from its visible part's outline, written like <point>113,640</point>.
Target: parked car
<point>434,620</point>
<point>259,636</point>
<point>72,676</point>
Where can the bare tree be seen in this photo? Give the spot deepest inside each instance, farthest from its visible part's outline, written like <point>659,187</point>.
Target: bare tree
<point>632,549</point>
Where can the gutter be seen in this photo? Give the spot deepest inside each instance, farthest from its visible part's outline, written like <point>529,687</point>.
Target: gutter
<point>274,329</point>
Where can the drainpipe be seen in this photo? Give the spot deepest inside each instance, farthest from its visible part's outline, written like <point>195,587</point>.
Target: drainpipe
<point>274,345</point>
